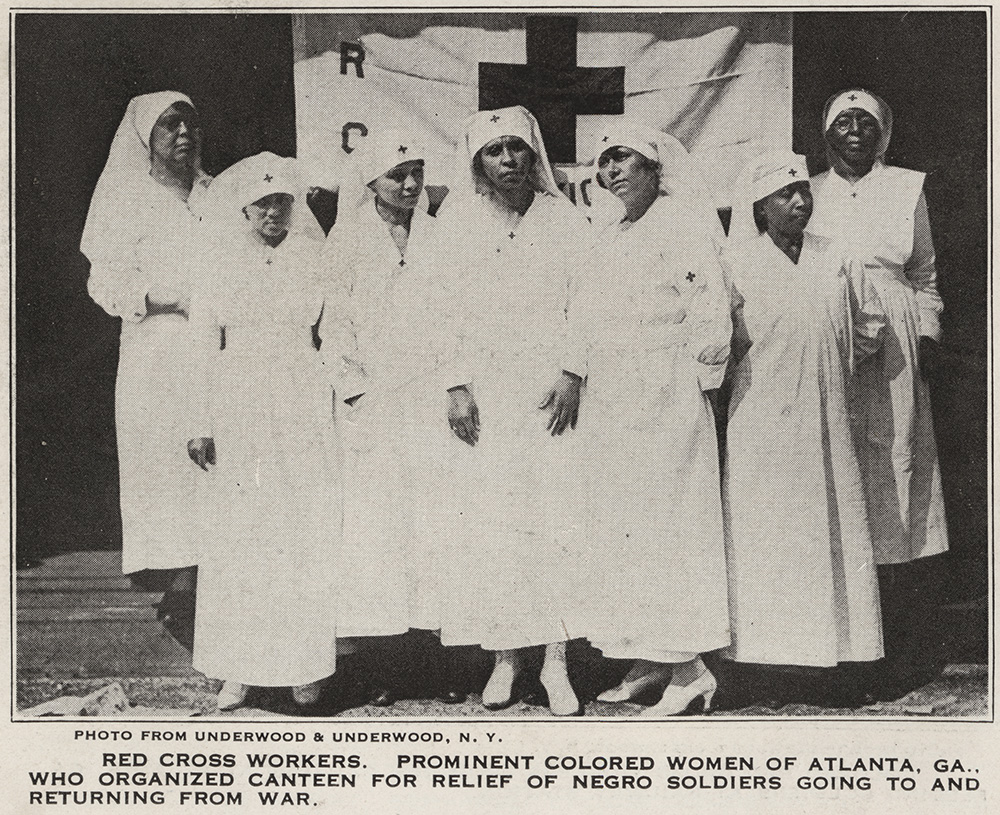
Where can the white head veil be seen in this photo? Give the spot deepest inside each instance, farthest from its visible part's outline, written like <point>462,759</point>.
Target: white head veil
<point>483,127</point>
<point>125,179</point>
<point>758,179</point>
<point>679,178</point>
<point>378,153</point>
<point>866,101</point>
<point>248,181</point>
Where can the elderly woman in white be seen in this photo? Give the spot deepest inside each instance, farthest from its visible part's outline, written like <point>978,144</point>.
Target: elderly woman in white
<point>512,243</point>
<point>264,427</point>
<point>651,329</point>
<point>803,589</point>
<point>138,239</point>
<point>879,214</point>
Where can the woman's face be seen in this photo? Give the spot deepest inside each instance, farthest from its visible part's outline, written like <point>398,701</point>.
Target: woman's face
<point>787,210</point>
<point>628,174</point>
<point>401,186</point>
<point>507,162</point>
<point>854,136</point>
<point>269,216</point>
<point>175,139</point>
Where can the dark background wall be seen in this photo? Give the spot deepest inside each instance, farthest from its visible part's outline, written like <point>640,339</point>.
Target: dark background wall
<point>74,77</point>
<point>76,73</point>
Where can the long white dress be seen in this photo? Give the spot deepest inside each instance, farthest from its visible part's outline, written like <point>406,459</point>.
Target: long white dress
<point>157,486</point>
<point>652,299</point>
<point>389,584</point>
<point>268,568</point>
<point>513,503</point>
<point>882,220</point>
<point>803,588</point>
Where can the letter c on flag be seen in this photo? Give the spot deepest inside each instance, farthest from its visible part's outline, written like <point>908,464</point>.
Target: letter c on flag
<point>345,134</point>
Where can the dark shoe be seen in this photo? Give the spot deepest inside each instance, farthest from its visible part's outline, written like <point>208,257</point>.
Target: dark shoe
<point>451,697</point>
<point>383,697</point>
<point>176,612</point>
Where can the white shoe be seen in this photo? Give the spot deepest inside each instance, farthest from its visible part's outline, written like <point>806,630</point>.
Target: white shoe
<point>231,695</point>
<point>562,699</point>
<point>629,689</point>
<point>678,698</point>
<point>499,691</point>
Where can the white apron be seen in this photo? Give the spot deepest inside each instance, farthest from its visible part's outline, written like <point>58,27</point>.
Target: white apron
<point>157,486</point>
<point>803,587</point>
<point>874,220</point>
<point>515,505</point>
<point>654,585</point>
<point>267,577</point>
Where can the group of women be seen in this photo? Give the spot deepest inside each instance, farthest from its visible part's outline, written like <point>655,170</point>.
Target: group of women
<point>499,424</point>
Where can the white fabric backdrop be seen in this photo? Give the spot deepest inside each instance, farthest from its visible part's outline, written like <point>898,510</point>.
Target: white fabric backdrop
<point>720,82</point>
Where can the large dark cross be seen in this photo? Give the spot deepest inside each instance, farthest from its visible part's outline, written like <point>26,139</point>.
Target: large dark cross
<point>551,85</point>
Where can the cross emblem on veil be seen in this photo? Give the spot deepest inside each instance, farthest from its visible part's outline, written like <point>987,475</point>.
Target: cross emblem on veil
<point>402,150</point>
<point>268,178</point>
<point>793,172</point>
<point>852,97</point>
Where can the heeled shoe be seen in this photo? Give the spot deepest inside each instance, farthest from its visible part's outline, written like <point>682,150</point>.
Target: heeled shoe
<point>231,695</point>
<point>678,699</point>
<point>633,690</point>
<point>306,695</point>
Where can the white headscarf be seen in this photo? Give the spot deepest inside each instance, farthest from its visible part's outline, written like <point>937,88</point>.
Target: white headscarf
<point>378,153</point>
<point>483,127</point>
<point>125,179</point>
<point>759,178</point>
<point>866,101</point>
<point>679,178</point>
<point>248,181</point>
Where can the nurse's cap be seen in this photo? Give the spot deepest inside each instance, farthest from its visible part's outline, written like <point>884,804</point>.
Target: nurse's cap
<point>487,125</point>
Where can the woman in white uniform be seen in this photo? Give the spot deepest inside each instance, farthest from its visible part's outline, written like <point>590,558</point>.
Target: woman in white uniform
<point>879,214</point>
<point>267,599</point>
<point>138,239</point>
<point>651,328</point>
<point>803,589</point>
<point>377,257</point>
<point>513,241</point>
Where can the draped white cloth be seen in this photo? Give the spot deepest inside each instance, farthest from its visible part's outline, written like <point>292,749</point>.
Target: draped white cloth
<point>803,588</point>
<point>388,561</point>
<point>652,301</point>
<point>138,237</point>
<point>882,220</point>
<point>268,569</point>
<point>504,293</point>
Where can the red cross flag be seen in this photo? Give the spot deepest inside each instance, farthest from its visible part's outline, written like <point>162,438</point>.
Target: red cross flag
<point>719,82</point>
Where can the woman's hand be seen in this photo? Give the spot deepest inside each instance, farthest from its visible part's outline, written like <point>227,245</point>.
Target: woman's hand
<point>202,452</point>
<point>564,402</point>
<point>463,415</point>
